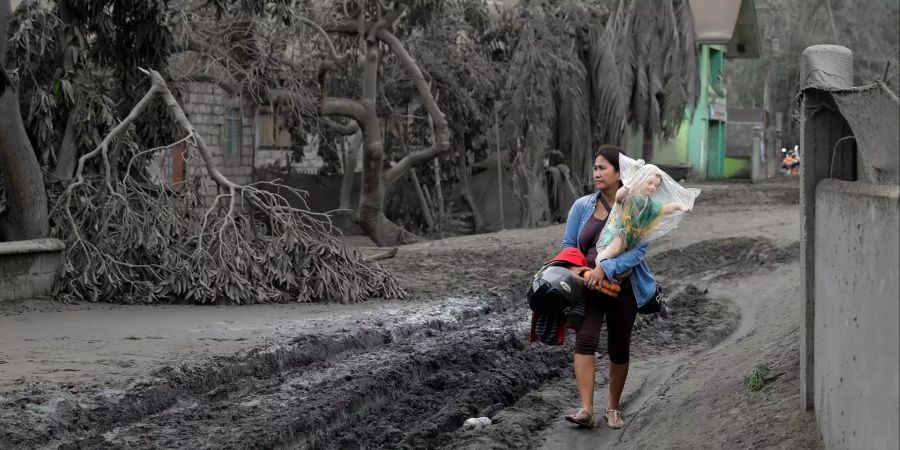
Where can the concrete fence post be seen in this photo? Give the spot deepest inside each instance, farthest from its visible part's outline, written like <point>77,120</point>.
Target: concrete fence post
<point>778,143</point>
<point>824,154</point>
<point>757,155</point>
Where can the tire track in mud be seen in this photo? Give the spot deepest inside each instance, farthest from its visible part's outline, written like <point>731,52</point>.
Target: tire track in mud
<point>408,386</point>
<point>721,258</point>
<point>172,385</point>
<point>355,402</point>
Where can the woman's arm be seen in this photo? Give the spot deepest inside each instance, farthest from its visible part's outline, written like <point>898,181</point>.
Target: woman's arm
<point>622,263</point>
<point>570,237</point>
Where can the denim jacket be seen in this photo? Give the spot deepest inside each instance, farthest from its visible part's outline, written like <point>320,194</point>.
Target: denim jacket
<point>641,279</point>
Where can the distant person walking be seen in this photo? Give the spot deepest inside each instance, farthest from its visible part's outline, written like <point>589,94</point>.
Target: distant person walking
<point>791,161</point>
<point>586,220</point>
<point>560,190</point>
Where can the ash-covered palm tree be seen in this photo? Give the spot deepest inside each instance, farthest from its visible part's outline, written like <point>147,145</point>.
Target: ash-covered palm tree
<point>660,76</point>
<point>596,69</point>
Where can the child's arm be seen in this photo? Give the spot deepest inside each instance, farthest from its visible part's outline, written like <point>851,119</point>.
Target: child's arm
<point>613,249</point>
<point>614,267</point>
<point>621,194</point>
<point>670,207</point>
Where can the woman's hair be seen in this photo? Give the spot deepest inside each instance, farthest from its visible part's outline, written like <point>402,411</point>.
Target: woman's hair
<point>610,153</point>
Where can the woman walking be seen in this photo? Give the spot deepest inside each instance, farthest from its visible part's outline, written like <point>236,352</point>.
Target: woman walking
<point>586,220</point>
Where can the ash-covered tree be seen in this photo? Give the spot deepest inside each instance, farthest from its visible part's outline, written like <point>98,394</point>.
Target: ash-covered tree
<point>129,239</point>
<point>325,61</point>
<point>23,211</point>
<point>71,85</point>
<point>466,83</point>
<point>579,74</point>
<point>659,71</point>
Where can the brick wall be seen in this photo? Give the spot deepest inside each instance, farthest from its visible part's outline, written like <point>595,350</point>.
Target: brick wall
<point>207,108</point>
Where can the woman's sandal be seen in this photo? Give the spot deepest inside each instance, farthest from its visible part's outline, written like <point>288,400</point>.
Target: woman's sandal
<point>582,418</point>
<point>614,419</point>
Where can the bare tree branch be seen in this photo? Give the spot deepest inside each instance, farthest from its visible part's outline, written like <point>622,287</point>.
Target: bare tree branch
<point>335,58</point>
<point>347,27</point>
<point>346,130</point>
<point>345,107</point>
<point>440,129</point>
<point>384,23</point>
<point>115,133</point>
<point>160,85</point>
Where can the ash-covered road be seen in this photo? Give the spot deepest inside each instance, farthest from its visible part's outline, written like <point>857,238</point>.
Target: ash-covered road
<point>458,349</point>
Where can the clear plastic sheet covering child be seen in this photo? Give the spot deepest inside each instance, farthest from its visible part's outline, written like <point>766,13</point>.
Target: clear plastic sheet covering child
<point>650,204</point>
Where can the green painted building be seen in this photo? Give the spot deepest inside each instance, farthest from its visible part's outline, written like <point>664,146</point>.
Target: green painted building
<point>726,29</point>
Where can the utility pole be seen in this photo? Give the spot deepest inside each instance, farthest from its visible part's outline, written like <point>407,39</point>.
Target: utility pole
<point>499,163</point>
<point>767,54</point>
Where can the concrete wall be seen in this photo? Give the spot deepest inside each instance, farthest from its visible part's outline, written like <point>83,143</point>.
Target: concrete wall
<point>753,138</point>
<point>740,139</point>
<point>849,360</point>
<point>263,144</point>
<point>822,157</point>
<point>29,268</point>
<point>857,314</point>
<point>737,167</point>
<point>206,106</point>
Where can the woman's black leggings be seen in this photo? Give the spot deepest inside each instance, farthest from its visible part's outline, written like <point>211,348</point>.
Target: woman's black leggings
<point>619,313</point>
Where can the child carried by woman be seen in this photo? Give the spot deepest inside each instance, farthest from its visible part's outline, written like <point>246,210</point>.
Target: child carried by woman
<point>648,205</point>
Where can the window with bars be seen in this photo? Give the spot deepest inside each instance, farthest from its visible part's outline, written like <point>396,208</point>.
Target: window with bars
<point>231,144</point>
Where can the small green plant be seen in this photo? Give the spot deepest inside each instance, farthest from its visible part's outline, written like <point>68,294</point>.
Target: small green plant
<point>757,378</point>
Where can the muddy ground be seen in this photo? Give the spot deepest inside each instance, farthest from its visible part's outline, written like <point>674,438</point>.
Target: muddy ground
<point>391,374</point>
